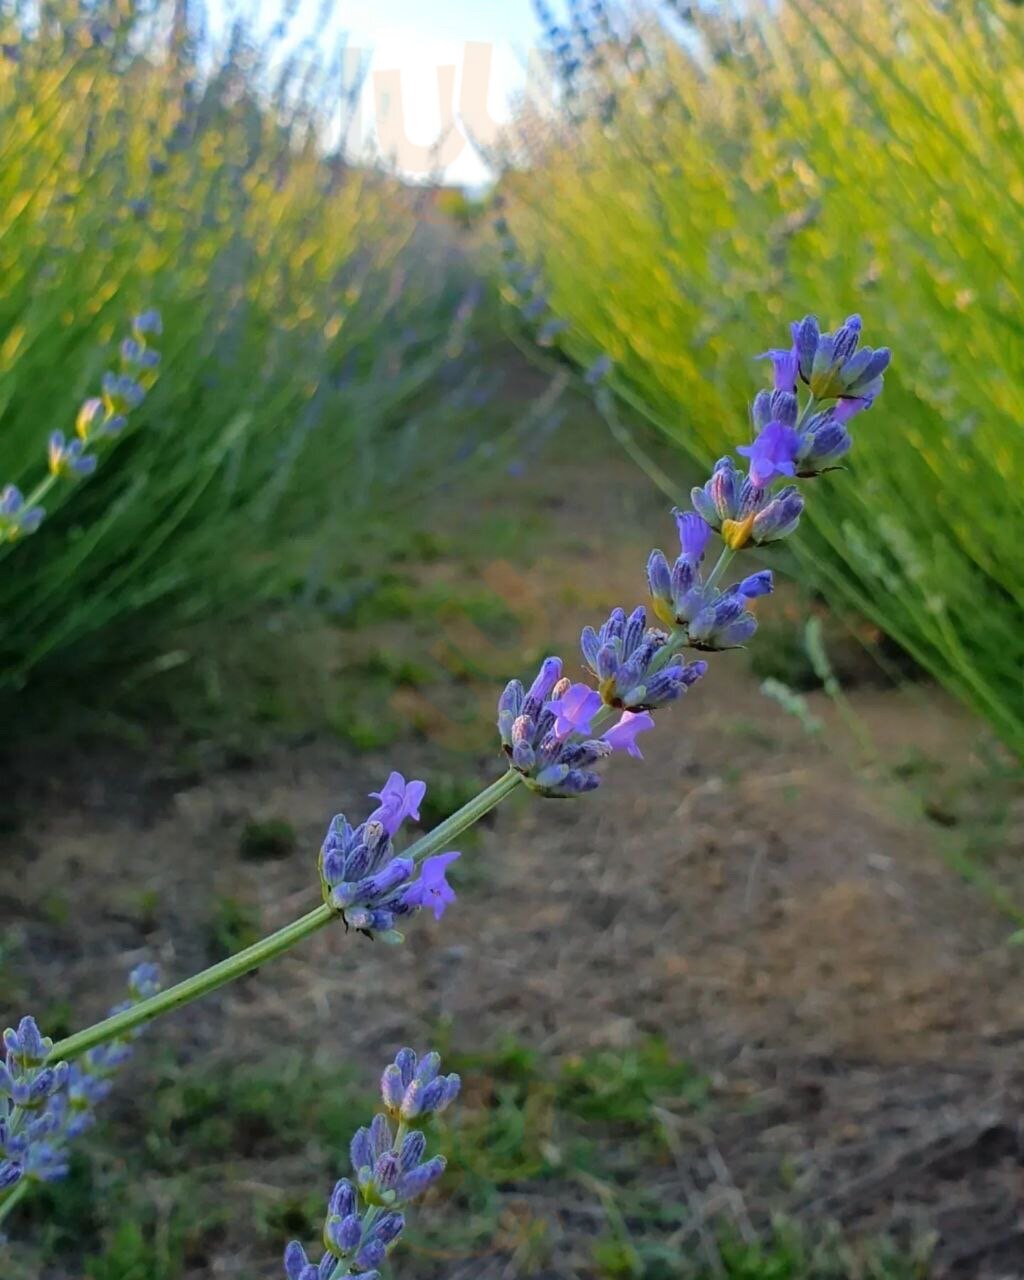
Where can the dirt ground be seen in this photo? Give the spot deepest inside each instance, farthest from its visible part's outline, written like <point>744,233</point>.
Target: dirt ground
<point>766,902</point>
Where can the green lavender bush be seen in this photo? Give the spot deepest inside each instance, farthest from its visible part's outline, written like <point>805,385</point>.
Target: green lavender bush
<point>315,345</point>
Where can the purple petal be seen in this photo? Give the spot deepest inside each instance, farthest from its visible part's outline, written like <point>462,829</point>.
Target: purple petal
<point>694,533</point>
<point>622,736</point>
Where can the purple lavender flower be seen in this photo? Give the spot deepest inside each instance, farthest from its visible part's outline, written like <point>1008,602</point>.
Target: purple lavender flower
<point>623,734</point>
<point>725,623</point>
<point>778,518</point>
<point>413,1184</point>
<point>412,1087</point>
<point>96,418</point>
<point>398,800</point>
<point>364,1217</point>
<point>824,440</point>
<point>785,367</point>
<point>298,1267</point>
<point>758,584</point>
<point>831,364</point>
<point>628,659</point>
<point>136,356</point>
<point>106,416</point>
<point>362,878</point>
<point>743,512</point>
<point>549,765</point>
<point>121,392</point>
<point>365,881</point>
<point>713,619</point>
<point>44,1107</point>
<point>728,501</point>
<point>432,890</point>
<point>27,1086</point>
<point>68,457</point>
<point>598,370</point>
<point>774,406</point>
<point>843,410</point>
<point>148,324</point>
<point>574,710</point>
<point>773,454</point>
<point>16,516</point>
<point>694,532</point>
<point>26,1047</point>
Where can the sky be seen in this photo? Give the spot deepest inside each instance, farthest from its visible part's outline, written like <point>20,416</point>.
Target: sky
<point>435,67</point>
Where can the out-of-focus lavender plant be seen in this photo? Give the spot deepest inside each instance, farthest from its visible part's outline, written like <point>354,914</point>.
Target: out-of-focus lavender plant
<point>44,1106</point>
<point>365,1216</point>
<point>553,734</point>
<point>100,419</point>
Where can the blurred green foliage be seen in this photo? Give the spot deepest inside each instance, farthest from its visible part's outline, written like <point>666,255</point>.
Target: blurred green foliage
<point>863,156</point>
<point>317,338</point>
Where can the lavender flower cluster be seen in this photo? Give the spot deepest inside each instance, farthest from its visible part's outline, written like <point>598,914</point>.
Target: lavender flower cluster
<point>42,1106</point>
<point>549,731</point>
<point>100,418</point>
<point>364,1217</point>
<point>366,882</point>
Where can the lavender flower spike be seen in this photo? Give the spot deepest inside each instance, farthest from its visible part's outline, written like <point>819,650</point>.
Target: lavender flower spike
<point>68,459</point>
<point>44,1108</point>
<point>743,512</point>
<point>711,618</point>
<point>627,657</point>
<point>412,1087</point>
<point>362,878</point>
<point>364,1217</point>
<point>550,765</point>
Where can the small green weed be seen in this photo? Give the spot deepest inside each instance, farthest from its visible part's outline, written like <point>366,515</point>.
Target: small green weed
<point>234,925</point>
<point>266,841</point>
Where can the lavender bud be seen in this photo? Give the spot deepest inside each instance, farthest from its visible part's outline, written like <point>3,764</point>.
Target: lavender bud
<point>414,1146</point>
<point>343,1234</point>
<point>343,1199</point>
<point>391,1087</point>
<point>372,1254</point>
<point>418,1180</point>
<point>405,1060</point>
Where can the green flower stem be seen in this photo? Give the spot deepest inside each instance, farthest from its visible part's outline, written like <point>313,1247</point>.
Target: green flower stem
<point>41,490</point>
<point>470,813</point>
<point>808,409</point>
<point>721,564</point>
<point>192,988</point>
<point>274,944</point>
